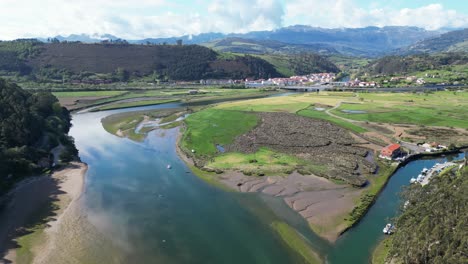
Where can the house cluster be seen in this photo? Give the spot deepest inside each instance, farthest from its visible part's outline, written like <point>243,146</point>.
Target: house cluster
<point>411,79</point>
<point>91,81</point>
<point>220,82</point>
<point>358,83</point>
<point>393,152</point>
<point>433,147</point>
<point>303,80</point>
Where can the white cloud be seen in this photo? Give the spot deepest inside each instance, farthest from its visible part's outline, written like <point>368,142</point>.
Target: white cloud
<point>345,13</point>
<point>165,18</point>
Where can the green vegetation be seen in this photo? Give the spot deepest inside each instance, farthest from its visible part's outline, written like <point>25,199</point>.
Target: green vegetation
<point>134,104</point>
<point>81,65</point>
<point>264,162</point>
<point>377,182</point>
<point>413,63</point>
<point>209,127</point>
<point>300,64</point>
<point>312,113</point>
<point>441,68</point>
<point>88,94</point>
<point>31,125</point>
<point>432,228</point>
<point>380,253</point>
<point>124,125</point>
<point>432,109</point>
<point>296,242</point>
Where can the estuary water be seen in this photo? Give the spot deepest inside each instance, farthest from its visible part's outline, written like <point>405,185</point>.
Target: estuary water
<point>152,214</point>
<point>144,212</point>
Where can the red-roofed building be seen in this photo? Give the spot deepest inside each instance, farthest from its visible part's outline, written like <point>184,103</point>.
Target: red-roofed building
<point>390,151</point>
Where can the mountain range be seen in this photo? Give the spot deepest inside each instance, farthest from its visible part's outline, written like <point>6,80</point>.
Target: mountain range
<point>366,42</point>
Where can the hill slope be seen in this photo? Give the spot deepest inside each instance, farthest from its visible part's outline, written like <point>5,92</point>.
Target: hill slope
<point>67,62</point>
<point>454,41</point>
<point>252,46</point>
<point>433,228</point>
<point>31,125</point>
<point>413,63</point>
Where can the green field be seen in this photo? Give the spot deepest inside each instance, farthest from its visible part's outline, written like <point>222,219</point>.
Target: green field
<point>264,161</point>
<point>134,104</point>
<point>322,115</point>
<point>446,109</point>
<point>209,127</point>
<point>88,94</point>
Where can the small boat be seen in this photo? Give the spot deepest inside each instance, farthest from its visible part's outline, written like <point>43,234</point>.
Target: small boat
<point>388,229</point>
<point>413,180</point>
<point>169,166</point>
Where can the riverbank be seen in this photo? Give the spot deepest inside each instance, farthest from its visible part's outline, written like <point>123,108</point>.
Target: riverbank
<point>34,211</point>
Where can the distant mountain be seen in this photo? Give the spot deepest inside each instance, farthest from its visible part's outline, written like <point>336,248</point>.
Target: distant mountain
<point>85,38</point>
<point>187,39</point>
<point>253,46</point>
<point>454,41</point>
<point>369,41</point>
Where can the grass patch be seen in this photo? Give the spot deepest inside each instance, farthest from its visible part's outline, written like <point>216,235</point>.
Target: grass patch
<point>380,254</point>
<point>264,161</point>
<point>125,123</point>
<point>296,242</point>
<point>432,109</point>
<point>209,127</point>
<point>324,116</point>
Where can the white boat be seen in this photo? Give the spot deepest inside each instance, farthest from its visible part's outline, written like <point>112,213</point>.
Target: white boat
<point>413,180</point>
<point>388,229</point>
<point>407,203</point>
<point>169,166</point>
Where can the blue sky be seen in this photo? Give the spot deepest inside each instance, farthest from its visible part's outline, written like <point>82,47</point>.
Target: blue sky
<point>133,19</point>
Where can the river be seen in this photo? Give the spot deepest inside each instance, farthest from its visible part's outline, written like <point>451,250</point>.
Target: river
<point>151,214</point>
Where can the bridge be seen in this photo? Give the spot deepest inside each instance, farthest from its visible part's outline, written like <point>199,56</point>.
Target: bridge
<point>315,88</point>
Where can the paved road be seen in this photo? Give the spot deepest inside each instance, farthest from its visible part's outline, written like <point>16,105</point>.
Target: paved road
<point>435,171</point>
<point>415,149</point>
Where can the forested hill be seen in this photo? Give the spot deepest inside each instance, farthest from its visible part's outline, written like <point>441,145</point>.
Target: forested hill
<point>30,126</point>
<point>433,228</point>
<point>62,62</point>
<point>413,63</point>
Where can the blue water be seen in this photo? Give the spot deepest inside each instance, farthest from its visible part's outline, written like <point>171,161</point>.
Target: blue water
<point>155,215</point>
<point>356,245</point>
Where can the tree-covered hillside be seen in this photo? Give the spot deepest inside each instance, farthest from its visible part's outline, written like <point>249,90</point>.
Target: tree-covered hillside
<point>74,62</point>
<point>30,126</point>
<point>300,64</point>
<point>433,228</point>
<point>30,60</point>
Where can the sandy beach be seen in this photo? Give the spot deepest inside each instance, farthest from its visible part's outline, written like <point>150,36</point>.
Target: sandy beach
<point>39,202</point>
